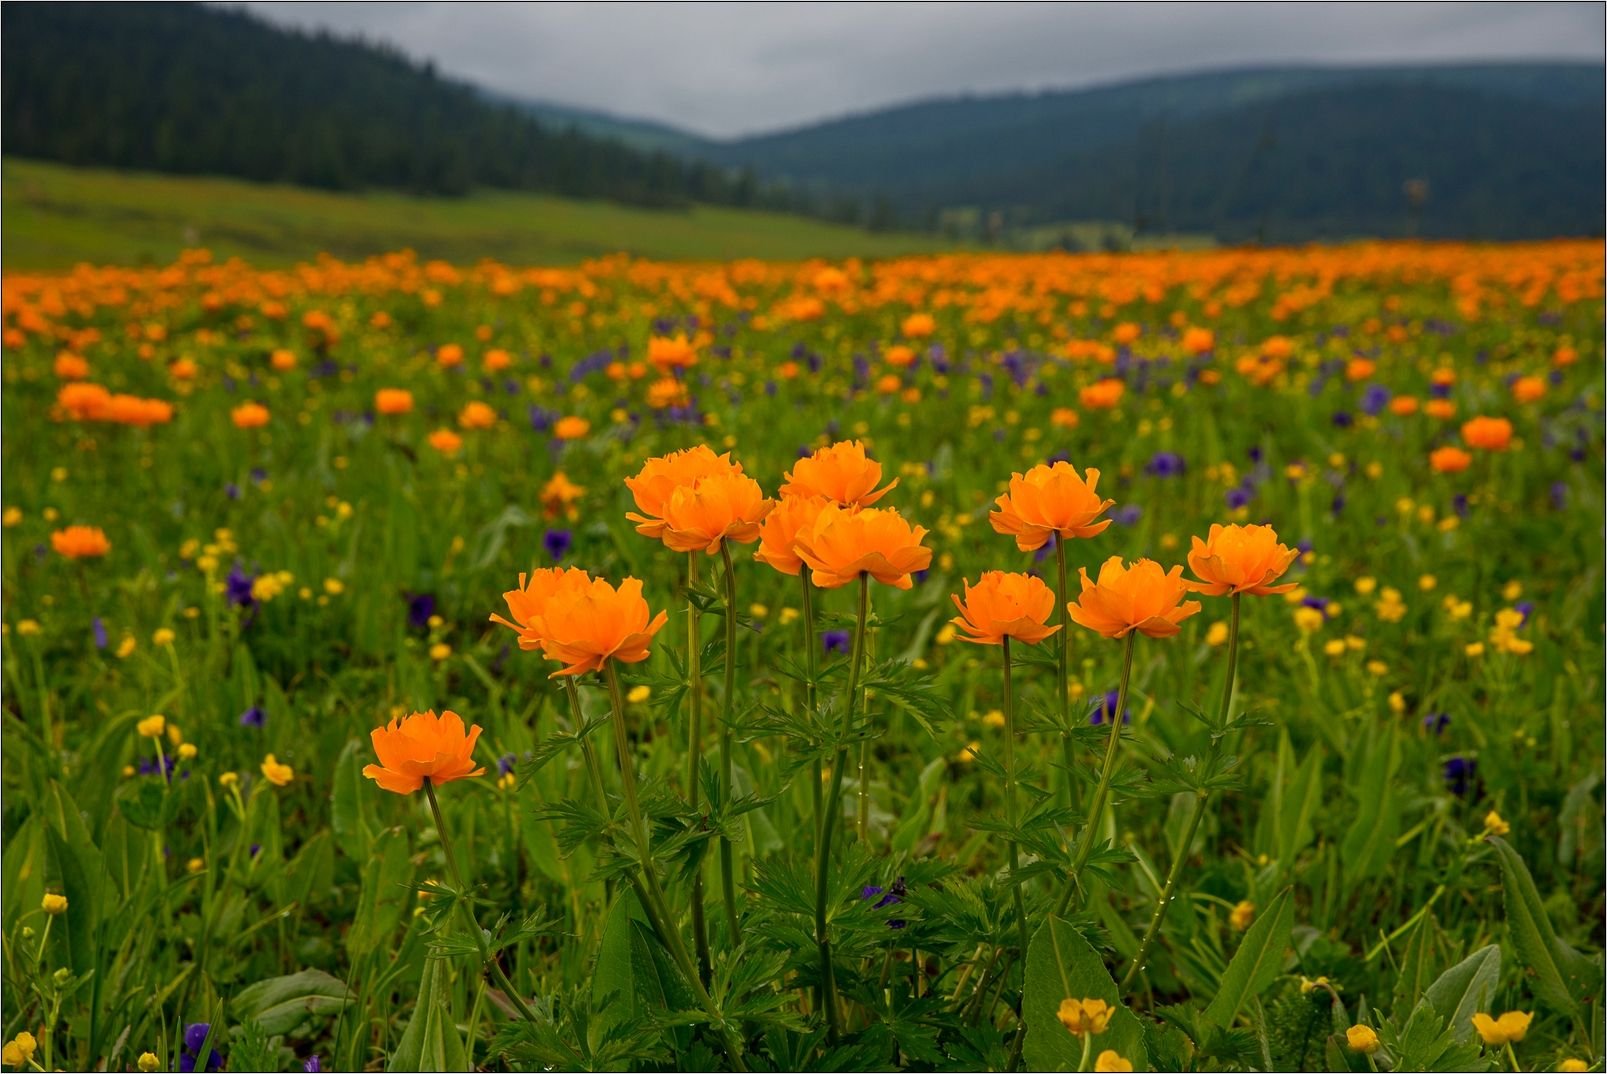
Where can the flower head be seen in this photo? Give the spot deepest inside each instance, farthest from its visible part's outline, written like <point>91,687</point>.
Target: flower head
<point>843,544</point>
<point>842,473</point>
<point>671,353</point>
<point>249,416</point>
<point>1112,1061</point>
<point>393,401</point>
<point>1449,460</point>
<point>1144,597</point>
<point>528,603</point>
<point>54,904</point>
<point>423,746</point>
<point>1240,559</point>
<point>1507,1029</point>
<point>717,508</point>
<point>658,479</point>
<point>1084,1017</point>
<point>1487,434</point>
<point>583,626</point>
<point>781,527</point>
<point>1050,501</point>
<point>19,1050</point>
<point>1003,605</point>
<point>1362,1039</point>
<point>276,772</point>
<point>80,542</point>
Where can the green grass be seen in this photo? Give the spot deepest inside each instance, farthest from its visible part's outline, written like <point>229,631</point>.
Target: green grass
<point>56,216</point>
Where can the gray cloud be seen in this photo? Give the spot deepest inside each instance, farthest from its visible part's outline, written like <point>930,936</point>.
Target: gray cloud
<point>727,69</point>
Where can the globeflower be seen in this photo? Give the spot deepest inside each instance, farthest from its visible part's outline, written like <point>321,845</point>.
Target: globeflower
<point>423,746</point>
<point>659,477</point>
<point>1449,460</point>
<point>1144,597</point>
<point>528,603</point>
<point>718,508</point>
<point>393,401</point>
<point>80,542</point>
<point>1507,1029</point>
<point>843,544</point>
<point>249,416</point>
<point>1240,559</point>
<point>276,772</point>
<point>1050,501</point>
<point>477,415</point>
<point>559,496</point>
<point>1102,394</point>
<point>1003,605</point>
<point>842,472</point>
<point>445,441</point>
<point>1361,1039</point>
<point>671,353</point>
<point>585,626</point>
<point>1111,1061</point>
<point>1084,1017</point>
<point>778,534</point>
<point>571,428</point>
<point>1487,434</point>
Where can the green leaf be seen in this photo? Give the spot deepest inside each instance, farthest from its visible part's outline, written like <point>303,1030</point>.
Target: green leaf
<point>145,803</point>
<point>348,798</point>
<point>77,871</point>
<point>386,893</point>
<point>613,979</point>
<point>1466,988</point>
<point>1370,841</point>
<point>1256,963</point>
<point>1061,965</point>
<point>280,1004</point>
<point>431,1041</point>
<point>1560,972</point>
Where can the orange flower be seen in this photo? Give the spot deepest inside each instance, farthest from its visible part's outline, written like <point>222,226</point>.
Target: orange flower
<point>585,626</point>
<point>1144,597</point>
<point>1048,501</point>
<point>448,355</point>
<point>283,360</point>
<point>496,360</point>
<point>70,366</point>
<point>423,746</point>
<point>1404,405</point>
<point>249,416</point>
<point>658,479</point>
<point>842,473</point>
<point>477,415</point>
<point>1443,409</point>
<point>83,401</point>
<point>919,326</point>
<point>1488,434</point>
<point>571,428</point>
<point>1102,394</point>
<point>1240,559</point>
<point>559,496</point>
<point>80,542</point>
<point>669,353</point>
<point>780,530</point>
<point>720,507</point>
<point>1449,460</point>
<point>393,400</point>
<point>1003,605</point>
<point>527,603</point>
<point>842,544</point>
<point>445,441</point>
<point>1199,340</point>
<point>1528,389</point>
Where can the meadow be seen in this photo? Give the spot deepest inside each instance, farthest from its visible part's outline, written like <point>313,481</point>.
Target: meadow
<point>1162,661</point>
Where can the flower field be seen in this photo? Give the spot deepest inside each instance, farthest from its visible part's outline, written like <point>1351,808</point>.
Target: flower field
<point>1175,661</point>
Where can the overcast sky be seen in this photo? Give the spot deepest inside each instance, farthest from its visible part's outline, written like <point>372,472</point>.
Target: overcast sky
<point>729,69</point>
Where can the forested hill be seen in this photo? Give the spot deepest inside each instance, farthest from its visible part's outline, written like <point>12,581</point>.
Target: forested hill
<point>190,89</point>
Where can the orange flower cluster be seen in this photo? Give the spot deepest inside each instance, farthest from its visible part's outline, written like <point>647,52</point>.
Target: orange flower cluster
<point>85,401</point>
<point>580,621</point>
<point>80,542</point>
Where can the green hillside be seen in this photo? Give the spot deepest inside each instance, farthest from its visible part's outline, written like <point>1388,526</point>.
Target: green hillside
<point>56,216</point>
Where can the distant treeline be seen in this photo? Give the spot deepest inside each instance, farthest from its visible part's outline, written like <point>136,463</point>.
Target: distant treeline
<point>189,89</point>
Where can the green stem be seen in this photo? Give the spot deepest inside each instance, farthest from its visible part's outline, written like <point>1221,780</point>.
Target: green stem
<point>694,753</point>
<point>1012,815</point>
<point>486,958</point>
<point>1063,672</point>
<point>1096,810</point>
<point>812,665</point>
<point>654,902</point>
<point>727,866</point>
<point>1200,800</point>
<point>833,808</point>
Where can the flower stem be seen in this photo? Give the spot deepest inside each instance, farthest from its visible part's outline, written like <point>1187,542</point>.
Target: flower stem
<point>1200,799</point>
<point>812,665</point>
<point>486,958</point>
<point>1096,810</point>
<point>833,807</point>
<point>694,751</point>
<point>1063,672</point>
<point>727,787</point>
<point>654,902</point>
<point>1012,815</point>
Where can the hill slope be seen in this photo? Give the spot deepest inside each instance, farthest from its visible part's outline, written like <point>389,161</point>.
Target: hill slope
<point>56,216</point>
<point>1508,150</point>
<point>191,89</point>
